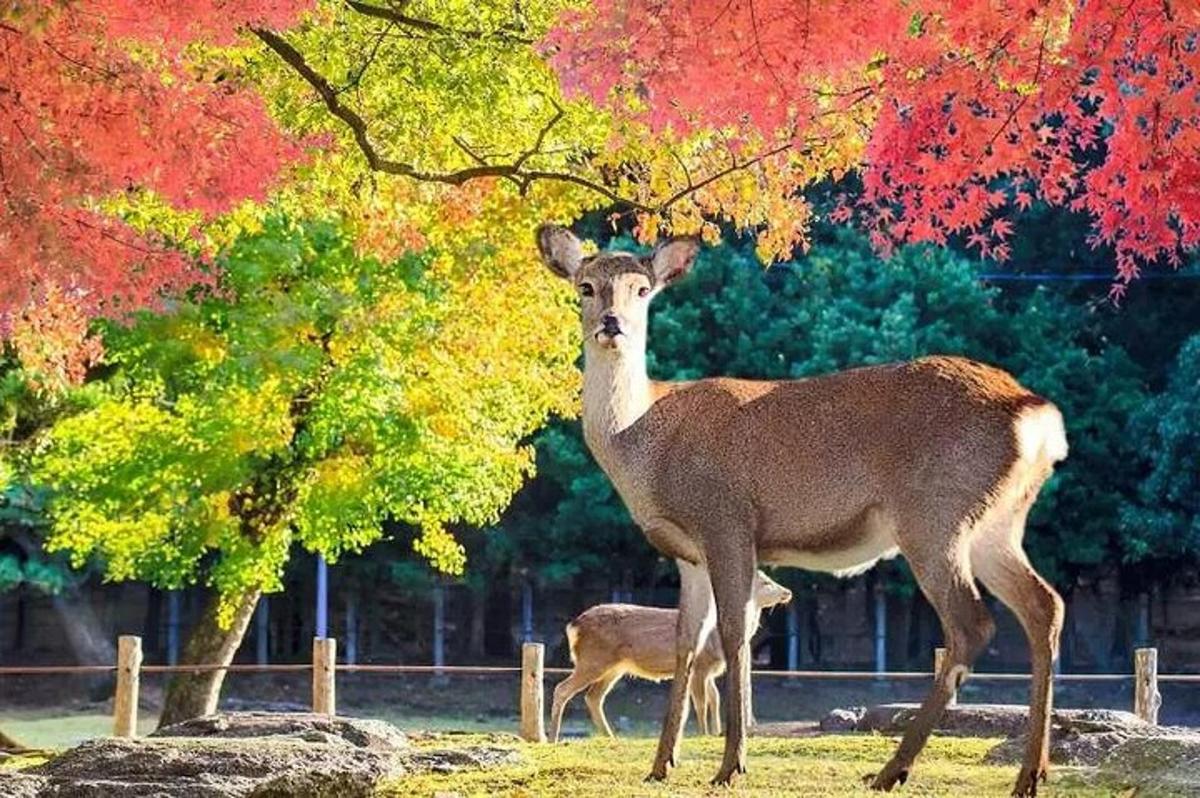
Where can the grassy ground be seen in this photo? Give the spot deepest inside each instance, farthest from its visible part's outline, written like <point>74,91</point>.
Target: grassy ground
<point>43,729</point>
<point>816,767</point>
<point>59,729</point>
<point>812,767</point>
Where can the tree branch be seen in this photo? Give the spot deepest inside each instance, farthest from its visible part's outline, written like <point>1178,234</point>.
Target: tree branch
<point>515,171</point>
<point>400,18</point>
<point>358,125</point>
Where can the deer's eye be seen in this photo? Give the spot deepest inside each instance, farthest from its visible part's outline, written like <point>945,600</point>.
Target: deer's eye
<point>644,291</point>
<point>586,289</point>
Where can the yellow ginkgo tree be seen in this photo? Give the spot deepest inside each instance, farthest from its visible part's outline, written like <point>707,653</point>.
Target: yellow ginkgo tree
<point>317,394</point>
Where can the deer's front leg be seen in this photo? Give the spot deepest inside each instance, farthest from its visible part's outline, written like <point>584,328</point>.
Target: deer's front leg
<point>696,619</point>
<point>733,584</point>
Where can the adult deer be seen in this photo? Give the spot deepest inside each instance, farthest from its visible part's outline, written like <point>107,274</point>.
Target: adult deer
<point>939,459</point>
<point>609,641</point>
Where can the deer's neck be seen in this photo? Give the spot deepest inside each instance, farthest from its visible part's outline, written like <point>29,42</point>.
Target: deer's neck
<point>616,393</point>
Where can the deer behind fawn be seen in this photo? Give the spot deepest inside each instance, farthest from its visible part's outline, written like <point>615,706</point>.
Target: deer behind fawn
<point>938,459</point>
<point>609,641</point>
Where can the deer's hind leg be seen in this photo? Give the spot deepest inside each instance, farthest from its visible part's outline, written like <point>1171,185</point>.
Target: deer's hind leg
<point>712,704</point>
<point>595,700</point>
<point>942,566</point>
<point>1001,564</point>
<point>698,702</point>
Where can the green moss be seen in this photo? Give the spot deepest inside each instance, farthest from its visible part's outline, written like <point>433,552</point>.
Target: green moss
<point>811,767</point>
<point>20,761</point>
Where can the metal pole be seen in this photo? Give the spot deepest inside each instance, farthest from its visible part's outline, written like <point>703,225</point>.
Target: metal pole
<point>262,633</point>
<point>527,612</point>
<point>880,629</point>
<point>351,629</point>
<point>439,627</point>
<point>793,637</point>
<point>172,627</point>
<point>322,626</point>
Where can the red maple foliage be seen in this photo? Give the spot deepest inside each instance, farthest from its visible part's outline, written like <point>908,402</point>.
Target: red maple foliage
<point>96,97</point>
<point>968,108</point>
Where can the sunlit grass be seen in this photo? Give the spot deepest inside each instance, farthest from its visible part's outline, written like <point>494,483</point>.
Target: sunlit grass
<point>40,729</point>
<point>815,767</point>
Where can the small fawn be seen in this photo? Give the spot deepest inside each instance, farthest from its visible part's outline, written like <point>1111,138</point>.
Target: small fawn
<point>609,641</point>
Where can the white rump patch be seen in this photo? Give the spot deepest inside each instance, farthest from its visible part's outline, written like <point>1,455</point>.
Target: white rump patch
<point>1041,435</point>
<point>572,639</point>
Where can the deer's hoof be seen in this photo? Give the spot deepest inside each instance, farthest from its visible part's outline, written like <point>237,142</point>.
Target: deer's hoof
<point>1028,780</point>
<point>658,772</point>
<point>887,779</point>
<point>725,775</point>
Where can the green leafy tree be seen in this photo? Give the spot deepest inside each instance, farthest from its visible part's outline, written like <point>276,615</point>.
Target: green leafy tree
<point>1164,522</point>
<point>314,395</point>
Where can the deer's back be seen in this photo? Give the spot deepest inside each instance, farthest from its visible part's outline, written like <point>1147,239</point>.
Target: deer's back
<point>633,639</point>
<point>829,463</point>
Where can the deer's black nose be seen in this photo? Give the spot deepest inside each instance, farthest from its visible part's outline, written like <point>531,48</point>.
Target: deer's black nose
<point>611,325</point>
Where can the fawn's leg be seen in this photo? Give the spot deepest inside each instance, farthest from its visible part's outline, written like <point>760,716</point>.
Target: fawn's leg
<point>576,682</point>
<point>595,700</point>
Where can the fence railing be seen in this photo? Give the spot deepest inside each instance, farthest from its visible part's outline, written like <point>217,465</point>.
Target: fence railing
<point>324,668</point>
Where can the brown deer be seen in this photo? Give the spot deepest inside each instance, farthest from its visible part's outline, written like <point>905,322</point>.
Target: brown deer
<point>609,641</point>
<point>938,459</point>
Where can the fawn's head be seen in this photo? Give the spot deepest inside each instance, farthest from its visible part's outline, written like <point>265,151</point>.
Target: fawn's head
<point>615,288</point>
<point>768,592</point>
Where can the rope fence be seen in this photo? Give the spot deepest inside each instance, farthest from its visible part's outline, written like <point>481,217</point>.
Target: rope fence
<point>324,669</point>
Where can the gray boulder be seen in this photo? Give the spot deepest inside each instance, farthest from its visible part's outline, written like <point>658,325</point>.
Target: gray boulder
<point>842,720</point>
<point>359,732</point>
<point>1079,737</point>
<point>245,755</point>
<point>1156,764</point>
<point>991,720</point>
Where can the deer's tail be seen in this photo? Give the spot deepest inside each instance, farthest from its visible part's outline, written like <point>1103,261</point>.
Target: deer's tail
<point>572,637</point>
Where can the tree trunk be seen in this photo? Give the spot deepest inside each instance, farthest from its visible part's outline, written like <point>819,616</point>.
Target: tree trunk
<point>191,695</point>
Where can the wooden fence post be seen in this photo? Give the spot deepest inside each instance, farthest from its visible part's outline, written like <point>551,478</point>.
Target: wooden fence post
<point>125,703</point>
<point>1146,698</point>
<point>533,727</point>
<point>939,662</point>
<point>324,656</point>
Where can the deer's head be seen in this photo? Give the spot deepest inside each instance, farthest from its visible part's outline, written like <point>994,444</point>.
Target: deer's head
<point>768,592</point>
<point>615,288</point>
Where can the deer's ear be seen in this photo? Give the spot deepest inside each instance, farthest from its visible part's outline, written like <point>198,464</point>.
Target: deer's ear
<point>561,251</point>
<point>673,259</point>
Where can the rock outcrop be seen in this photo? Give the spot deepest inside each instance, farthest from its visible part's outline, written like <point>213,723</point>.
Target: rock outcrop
<point>245,755</point>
